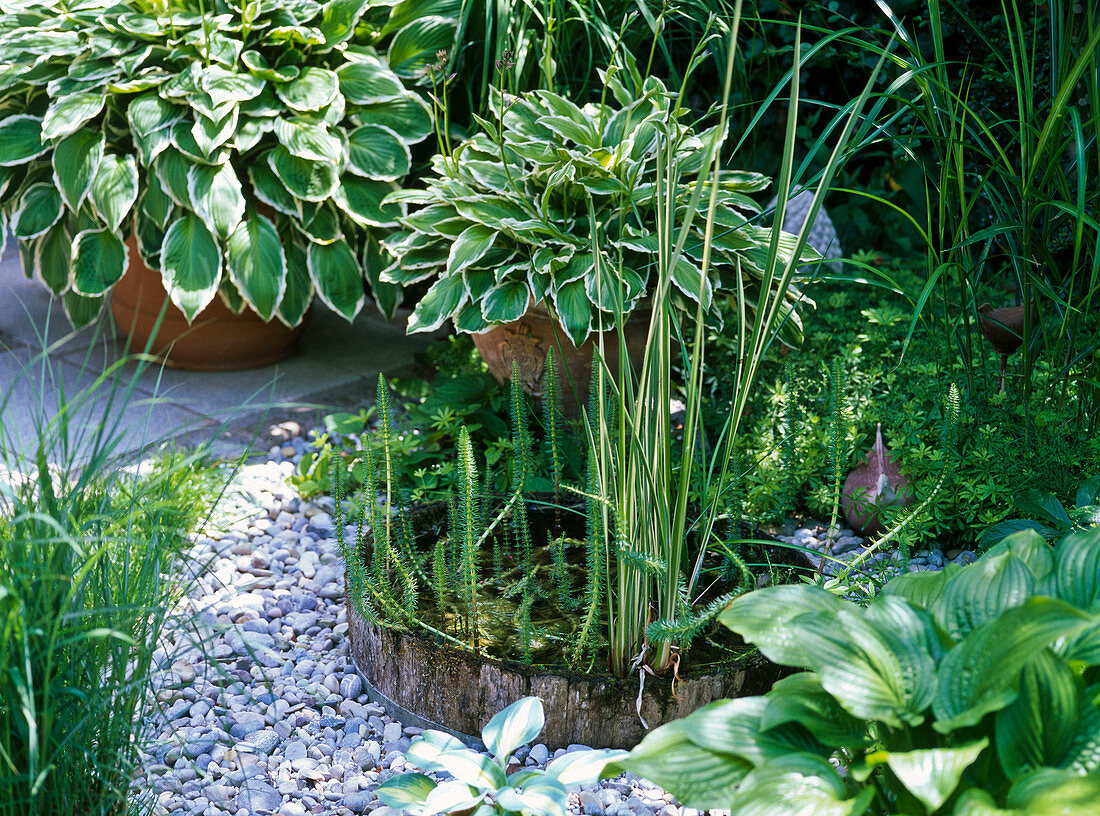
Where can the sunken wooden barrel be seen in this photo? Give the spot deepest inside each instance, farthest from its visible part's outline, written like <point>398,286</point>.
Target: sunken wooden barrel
<point>435,685</point>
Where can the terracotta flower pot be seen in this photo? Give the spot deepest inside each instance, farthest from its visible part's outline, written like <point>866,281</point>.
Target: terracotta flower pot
<point>216,340</point>
<point>526,342</point>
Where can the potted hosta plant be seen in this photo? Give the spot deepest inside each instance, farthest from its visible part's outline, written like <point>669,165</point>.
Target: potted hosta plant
<point>241,153</point>
<point>507,223</point>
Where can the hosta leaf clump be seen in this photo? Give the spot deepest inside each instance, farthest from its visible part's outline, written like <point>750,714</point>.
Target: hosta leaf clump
<point>558,204</point>
<point>949,694</point>
<point>232,140</point>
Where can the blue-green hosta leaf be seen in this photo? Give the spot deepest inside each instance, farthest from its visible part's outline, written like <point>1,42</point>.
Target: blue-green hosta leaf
<point>216,197</point>
<point>68,113</point>
<point>764,618</point>
<point>39,208</point>
<point>406,791</point>
<point>875,662</point>
<point>191,264</point>
<point>53,258</point>
<point>1083,755</point>
<point>923,589</point>
<point>505,302</point>
<point>311,90</point>
<point>698,777</point>
<point>304,179</point>
<point>415,46</point>
<point>1088,493</point>
<point>932,774</point>
<point>798,785</point>
<point>736,727</point>
<point>98,261</point>
<point>983,591</point>
<point>211,134</point>
<point>578,768</point>
<point>469,247</point>
<point>440,302</point>
<point>1003,529</point>
<point>307,139</point>
<point>367,81</point>
<point>573,310</point>
<point>801,699</point>
<point>21,140</point>
<point>362,200</point>
<point>1037,728</point>
<point>408,116</point>
<point>115,189</point>
<point>1043,506</point>
<point>541,796</point>
<point>1051,792</point>
<point>338,20</point>
<point>1077,569</point>
<point>173,168</point>
<point>299,288</point>
<point>269,189</point>
<point>376,152</point>
<point>76,159</point>
<point>260,68</point>
<point>336,277</point>
<point>513,726</point>
<point>980,674</point>
<point>256,264</point>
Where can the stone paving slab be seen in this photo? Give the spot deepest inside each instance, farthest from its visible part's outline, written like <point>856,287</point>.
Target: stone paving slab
<point>333,358</point>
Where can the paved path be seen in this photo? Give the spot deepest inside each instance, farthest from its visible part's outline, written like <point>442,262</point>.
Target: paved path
<point>336,364</point>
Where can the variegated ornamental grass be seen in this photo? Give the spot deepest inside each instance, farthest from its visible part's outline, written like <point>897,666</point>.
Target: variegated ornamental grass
<point>513,215</point>
<point>179,119</point>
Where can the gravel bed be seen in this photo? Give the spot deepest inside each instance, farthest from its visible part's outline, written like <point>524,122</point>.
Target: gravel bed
<point>260,708</point>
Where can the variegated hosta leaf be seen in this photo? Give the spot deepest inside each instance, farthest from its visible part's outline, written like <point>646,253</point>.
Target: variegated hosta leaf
<point>269,189</point>
<point>367,81</point>
<point>299,287</point>
<point>173,168</point>
<point>20,140</point>
<point>362,200</point>
<point>408,116</point>
<point>53,257</point>
<point>307,180</point>
<point>155,203</point>
<point>216,197</point>
<point>260,68</point>
<point>308,140</point>
<point>114,189</point>
<point>336,277</point>
<point>76,160</point>
<point>39,208</point>
<point>81,310</point>
<point>98,261</point>
<point>224,86</point>
<point>442,300</point>
<point>210,134</point>
<point>70,112</point>
<point>505,302</point>
<point>376,152</point>
<point>257,265</point>
<point>573,310</point>
<point>338,20</point>
<point>311,90</point>
<point>191,264</point>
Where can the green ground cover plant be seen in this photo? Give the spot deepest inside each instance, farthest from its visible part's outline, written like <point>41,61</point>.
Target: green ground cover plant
<point>971,691</point>
<point>1003,449</point>
<point>86,559</point>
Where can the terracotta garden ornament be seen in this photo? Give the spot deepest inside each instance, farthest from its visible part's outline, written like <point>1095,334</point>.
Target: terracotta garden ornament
<point>1004,329</point>
<point>872,487</point>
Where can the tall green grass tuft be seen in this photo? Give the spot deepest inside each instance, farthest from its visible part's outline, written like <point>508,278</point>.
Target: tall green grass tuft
<point>86,551</point>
